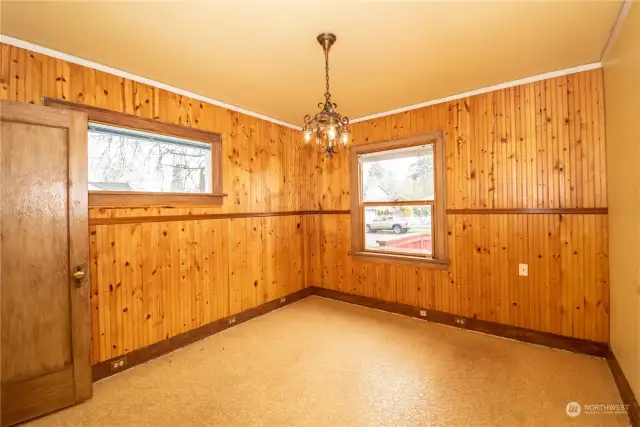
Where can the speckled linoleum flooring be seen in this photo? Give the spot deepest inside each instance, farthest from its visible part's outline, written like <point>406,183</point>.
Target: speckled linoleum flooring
<point>319,362</point>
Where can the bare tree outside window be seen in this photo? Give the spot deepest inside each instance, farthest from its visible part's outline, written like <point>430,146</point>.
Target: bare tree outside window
<point>398,178</point>
<point>125,160</point>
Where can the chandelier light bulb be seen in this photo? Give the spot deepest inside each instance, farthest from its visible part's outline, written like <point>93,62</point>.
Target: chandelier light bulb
<point>307,135</point>
<point>331,133</point>
<point>345,137</point>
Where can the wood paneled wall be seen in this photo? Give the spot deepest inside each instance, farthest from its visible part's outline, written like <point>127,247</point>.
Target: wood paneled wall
<point>539,145</point>
<point>153,280</point>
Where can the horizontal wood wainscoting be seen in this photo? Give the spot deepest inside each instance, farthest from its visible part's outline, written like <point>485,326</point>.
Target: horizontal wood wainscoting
<point>525,183</point>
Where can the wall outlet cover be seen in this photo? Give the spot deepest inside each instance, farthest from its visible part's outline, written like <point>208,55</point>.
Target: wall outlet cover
<point>118,364</point>
<point>523,269</point>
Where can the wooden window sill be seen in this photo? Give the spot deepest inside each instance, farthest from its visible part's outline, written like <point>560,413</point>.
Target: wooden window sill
<point>439,264</point>
<point>120,199</point>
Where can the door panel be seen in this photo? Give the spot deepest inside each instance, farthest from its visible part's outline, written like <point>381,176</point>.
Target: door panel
<point>35,255</point>
<point>37,396</point>
<point>45,361</point>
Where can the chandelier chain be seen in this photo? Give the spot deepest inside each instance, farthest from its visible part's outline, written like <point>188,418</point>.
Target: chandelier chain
<point>326,69</point>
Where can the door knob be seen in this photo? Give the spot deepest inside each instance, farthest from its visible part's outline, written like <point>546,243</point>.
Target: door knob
<point>78,275</point>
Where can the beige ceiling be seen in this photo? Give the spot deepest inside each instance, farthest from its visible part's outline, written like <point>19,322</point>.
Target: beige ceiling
<point>263,56</point>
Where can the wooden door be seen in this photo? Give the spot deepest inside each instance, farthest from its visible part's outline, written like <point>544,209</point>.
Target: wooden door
<point>45,319</point>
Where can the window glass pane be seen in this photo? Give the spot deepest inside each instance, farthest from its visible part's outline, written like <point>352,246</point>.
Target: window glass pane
<point>398,175</point>
<point>127,160</point>
<point>399,229</point>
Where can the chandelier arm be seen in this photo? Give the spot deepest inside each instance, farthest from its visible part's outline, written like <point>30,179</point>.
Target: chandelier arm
<point>308,120</point>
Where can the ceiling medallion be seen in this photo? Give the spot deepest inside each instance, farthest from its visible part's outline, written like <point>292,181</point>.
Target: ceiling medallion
<point>328,126</point>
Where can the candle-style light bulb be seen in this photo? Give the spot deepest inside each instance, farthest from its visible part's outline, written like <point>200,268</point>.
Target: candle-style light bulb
<point>331,133</point>
<point>345,137</point>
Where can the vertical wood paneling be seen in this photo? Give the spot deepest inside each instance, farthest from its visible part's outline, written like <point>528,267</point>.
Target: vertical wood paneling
<point>151,281</point>
<point>534,146</point>
<point>565,293</point>
<point>539,145</point>
<point>162,279</point>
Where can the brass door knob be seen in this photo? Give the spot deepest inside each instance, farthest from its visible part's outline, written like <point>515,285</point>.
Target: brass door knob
<point>78,275</point>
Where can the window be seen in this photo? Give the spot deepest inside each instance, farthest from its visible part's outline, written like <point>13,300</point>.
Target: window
<point>397,208</point>
<point>134,161</point>
<point>128,160</point>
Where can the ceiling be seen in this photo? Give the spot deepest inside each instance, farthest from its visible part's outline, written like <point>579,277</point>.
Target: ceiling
<point>263,56</point>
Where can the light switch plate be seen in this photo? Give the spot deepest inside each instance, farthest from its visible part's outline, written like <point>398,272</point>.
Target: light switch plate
<point>523,269</point>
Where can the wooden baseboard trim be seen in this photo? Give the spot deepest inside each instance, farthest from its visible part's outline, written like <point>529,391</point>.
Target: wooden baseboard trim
<point>626,392</point>
<point>592,348</point>
<point>103,370</point>
<point>575,345</point>
<point>201,217</point>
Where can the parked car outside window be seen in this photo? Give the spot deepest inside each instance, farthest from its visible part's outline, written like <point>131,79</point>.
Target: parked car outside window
<point>395,224</point>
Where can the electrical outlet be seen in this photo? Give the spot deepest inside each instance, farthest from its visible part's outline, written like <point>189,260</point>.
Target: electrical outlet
<point>283,299</point>
<point>423,313</point>
<point>523,269</point>
<point>118,364</point>
<point>461,321</point>
<point>231,320</point>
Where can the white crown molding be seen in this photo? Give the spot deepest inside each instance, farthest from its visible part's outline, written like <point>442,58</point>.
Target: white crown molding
<point>84,62</point>
<point>487,89</point>
<point>624,11</point>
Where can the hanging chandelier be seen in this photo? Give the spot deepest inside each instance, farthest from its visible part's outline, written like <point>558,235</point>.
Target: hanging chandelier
<point>329,127</point>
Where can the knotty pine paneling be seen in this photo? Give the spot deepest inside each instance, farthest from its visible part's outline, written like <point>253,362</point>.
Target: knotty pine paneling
<point>265,167</point>
<point>150,281</point>
<point>539,145</point>
<point>566,291</point>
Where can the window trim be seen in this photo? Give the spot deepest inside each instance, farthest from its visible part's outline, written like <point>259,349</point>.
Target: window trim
<point>439,258</point>
<point>139,198</point>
